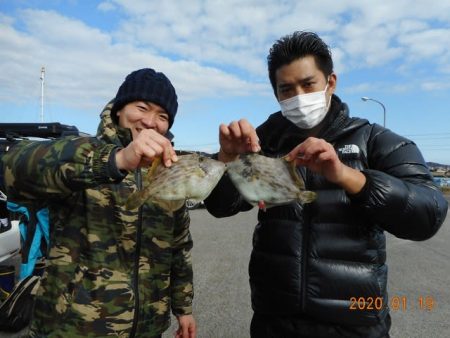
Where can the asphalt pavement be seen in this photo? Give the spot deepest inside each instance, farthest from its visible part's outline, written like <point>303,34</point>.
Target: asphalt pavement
<point>419,279</point>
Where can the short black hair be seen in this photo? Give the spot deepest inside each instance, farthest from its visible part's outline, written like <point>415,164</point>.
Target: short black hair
<point>297,45</point>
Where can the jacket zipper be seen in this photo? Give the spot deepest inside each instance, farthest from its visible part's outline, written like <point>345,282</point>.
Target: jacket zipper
<point>305,243</point>
<point>136,260</point>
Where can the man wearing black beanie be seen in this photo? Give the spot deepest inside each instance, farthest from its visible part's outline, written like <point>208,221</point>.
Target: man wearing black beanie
<point>111,271</point>
<point>146,104</point>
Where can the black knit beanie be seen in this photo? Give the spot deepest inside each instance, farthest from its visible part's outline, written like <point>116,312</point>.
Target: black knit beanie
<point>150,86</point>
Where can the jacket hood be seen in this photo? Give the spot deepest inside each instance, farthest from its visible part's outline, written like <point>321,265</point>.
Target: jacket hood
<point>281,135</point>
<point>110,132</point>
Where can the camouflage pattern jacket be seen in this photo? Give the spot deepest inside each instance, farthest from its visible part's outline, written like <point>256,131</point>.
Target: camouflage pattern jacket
<point>111,272</point>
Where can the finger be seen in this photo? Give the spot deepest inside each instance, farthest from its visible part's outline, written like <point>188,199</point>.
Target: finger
<point>192,331</point>
<point>302,151</point>
<point>168,153</point>
<point>224,131</point>
<point>313,147</point>
<point>185,331</point>
<point>173,154</point>
<point>161,146</point>
<point>235,130</point>
<point>249,134</point>
<point>167,160</point>
<point>297,153</point>
<point>328,155</point>
<point>152,149</point>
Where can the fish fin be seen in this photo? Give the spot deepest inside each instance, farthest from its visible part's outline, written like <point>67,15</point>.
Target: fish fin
<point>200,172</point>
<point>295,176</point>
<point>307,196</point>
<point>136,199</point>
<point>151,171</point>
<point>170,205</point>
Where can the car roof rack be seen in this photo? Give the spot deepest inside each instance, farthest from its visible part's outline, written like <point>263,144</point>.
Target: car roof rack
<point>43,130</point>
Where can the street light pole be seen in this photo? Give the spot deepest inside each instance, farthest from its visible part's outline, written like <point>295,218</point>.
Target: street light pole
<point>365,98</point>
<point>42,93</point>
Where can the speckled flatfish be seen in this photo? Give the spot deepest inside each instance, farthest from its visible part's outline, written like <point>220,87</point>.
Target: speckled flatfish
<point>267,182</point>
<point>192,177</point>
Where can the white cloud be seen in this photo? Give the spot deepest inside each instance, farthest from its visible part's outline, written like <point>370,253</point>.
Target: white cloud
<point>106,6</point>
<point>212,48</point>
<point>360,88</point>
<point>438,85</point>
<point>428,43</point>
<point>239,33</point>
<point>84,67</point>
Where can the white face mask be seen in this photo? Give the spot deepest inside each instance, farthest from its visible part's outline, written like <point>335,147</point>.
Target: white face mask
<point>306,111</point>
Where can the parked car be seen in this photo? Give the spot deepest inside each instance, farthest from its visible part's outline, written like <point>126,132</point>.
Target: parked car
<point>9,234</point>
<point>10,133</point>
<point>190,204</point>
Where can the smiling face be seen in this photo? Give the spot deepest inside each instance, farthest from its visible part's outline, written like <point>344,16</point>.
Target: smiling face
<point>140,115</point>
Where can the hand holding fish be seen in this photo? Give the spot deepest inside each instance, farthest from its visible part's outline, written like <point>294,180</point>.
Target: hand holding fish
<point>148,145</point>
<point>320,157</point>
<point>237,138</point>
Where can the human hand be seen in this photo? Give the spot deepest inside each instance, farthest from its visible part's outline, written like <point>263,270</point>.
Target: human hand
<point>320,157</point>
<point>237,138</point>
<point>148,145</point>
<point>186,327</point>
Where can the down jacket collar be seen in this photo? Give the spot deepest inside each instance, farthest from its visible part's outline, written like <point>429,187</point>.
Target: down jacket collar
<point>279,136</point>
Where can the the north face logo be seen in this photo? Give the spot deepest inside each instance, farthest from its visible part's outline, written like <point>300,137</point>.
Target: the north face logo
<point>349,149</point>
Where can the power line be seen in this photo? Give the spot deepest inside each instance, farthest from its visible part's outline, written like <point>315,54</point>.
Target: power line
<point>427,134</point>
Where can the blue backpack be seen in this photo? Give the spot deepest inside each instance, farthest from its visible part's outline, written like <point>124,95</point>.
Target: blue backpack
<point>34,233</point>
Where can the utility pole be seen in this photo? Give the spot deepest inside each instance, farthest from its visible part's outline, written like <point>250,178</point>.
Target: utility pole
<point>42,93</point>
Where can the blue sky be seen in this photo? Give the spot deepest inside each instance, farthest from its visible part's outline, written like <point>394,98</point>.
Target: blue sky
<point>214,52</point>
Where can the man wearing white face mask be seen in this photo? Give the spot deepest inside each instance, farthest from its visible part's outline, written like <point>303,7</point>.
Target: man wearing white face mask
<point>310,261</point>
<point>306,111</point>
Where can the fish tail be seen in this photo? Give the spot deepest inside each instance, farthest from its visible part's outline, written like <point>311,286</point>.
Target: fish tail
<point>170,206</point>
<point>307,196</point>
<point>136,199</point>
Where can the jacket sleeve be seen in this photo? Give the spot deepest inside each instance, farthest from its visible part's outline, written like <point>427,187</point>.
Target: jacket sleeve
<point>400,195</point>
<point>54,169</point>
<point>182,291</point>
<point>225,200</point>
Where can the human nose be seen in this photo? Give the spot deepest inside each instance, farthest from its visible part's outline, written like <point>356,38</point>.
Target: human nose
<point>149,121</point>
<point>298,90</point>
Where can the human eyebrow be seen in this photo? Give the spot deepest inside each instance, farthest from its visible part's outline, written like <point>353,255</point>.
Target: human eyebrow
<point>142,105</point>
<point>156,108</point>
<point>284,86</point>
<point>307,79</point>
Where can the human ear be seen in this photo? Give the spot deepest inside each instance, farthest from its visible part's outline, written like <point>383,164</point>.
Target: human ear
<point>332,82</point>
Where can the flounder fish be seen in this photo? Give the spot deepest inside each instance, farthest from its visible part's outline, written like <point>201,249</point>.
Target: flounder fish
<point>267,182</point>
<point>192,177</point>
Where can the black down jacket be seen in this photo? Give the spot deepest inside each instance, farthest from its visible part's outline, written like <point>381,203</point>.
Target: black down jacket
<point>316,258</point>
